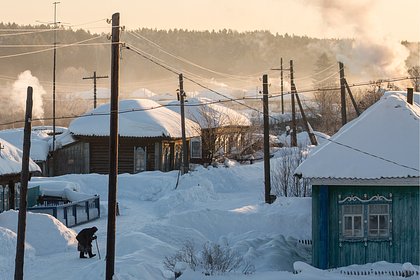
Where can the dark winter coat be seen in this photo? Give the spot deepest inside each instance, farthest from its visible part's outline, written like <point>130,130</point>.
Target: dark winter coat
<point>85,238</point>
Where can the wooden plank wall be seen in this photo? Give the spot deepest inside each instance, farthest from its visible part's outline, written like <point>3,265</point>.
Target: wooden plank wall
<point>405,246</point>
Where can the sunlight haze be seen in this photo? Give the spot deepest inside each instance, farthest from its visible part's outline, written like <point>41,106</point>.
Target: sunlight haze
<point>316,18</point>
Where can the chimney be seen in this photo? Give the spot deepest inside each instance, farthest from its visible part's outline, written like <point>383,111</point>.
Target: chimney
<point>410,95</point>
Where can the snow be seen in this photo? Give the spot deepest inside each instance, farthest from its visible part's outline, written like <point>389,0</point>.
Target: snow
<point>11,159</point>
<point>41,139</point>
<point>389,130</point>
<point>222,205</point>
<point>211,115</point>
<point>135,120</point>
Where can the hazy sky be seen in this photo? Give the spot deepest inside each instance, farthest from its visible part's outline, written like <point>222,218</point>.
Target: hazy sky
<point>398,20</point>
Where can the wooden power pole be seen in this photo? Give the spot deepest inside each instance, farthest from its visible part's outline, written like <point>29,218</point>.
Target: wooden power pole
<point>293,136</point>
<point>343,94</point>
<point>113,148</point>
<point>281,69</point>
<point>185,163</point>
<point>267,179</point>
<point>94,77</point>
<point>20,245</point>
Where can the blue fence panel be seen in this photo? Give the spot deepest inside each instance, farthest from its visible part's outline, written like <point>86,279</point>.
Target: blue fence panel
<point>74,213</point>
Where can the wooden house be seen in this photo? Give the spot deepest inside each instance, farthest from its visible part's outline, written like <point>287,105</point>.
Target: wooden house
<point>10,173</point>
<point>41,142</point>
<point>365,188</point>
<point>223,130</point>
<point>149,139</point>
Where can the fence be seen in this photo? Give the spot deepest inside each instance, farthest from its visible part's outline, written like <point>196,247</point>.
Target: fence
<point>74,213</point>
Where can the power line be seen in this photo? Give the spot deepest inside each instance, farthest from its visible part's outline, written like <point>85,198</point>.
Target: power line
<point>367,153</point>
<point>204,104</point>
<point>49,49</point>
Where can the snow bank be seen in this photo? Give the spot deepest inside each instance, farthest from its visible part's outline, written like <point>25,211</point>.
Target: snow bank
<point>8,250</point>
<point>44,233</point>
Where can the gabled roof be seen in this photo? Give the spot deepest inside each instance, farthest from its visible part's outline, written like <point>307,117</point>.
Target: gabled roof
<point>208,115</point>
<point>11,160</point>
<point>137,118</point>
<point>381,143</point>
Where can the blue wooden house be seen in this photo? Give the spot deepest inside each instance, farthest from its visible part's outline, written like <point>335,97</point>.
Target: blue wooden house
<point>365,188</point>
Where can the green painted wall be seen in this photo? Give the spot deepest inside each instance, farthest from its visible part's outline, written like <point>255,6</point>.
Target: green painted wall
<point>405,246</point>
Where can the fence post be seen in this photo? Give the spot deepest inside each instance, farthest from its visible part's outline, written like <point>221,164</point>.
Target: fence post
<point>65,216</point>
<point>75,213</point>
<point>87,209</point>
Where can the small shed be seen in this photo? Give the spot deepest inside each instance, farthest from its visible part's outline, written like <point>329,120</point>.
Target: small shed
<point>365,188</point>
<point>10,173</point>
<point>150,138</point>
<point>223,131</point>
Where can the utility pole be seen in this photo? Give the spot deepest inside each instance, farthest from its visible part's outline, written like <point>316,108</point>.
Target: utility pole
<point>54,66</point>
<point>293,136</point>
<point>343,94</point>
<point>311,134</point>
<point>20,244</point>
<point>352,98</point>
<point>185,163</point>
<point>113,148</point>
<point>94,77</point>
<point>281,83</point>
<point>267,180</point>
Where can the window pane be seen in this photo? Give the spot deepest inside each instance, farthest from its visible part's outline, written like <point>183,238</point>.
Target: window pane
<point>383,222</point>
<point>358,226</point>
<point>347,223</point>
<point>373,222</point>
<point>378,209</point>
<point>352,209</point>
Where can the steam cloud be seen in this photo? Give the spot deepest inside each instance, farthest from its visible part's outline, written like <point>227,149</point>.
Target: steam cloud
<point>372,54</point>
<point>16,94</point>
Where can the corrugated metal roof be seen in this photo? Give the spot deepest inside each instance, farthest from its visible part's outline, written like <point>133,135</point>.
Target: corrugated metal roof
<point>381,143</point>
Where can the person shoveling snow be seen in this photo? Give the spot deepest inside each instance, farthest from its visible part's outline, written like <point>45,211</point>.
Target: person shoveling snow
<point>85,238</point>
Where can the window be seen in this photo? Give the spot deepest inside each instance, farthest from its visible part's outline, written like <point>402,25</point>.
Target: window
<point>353,216</point>
<point>378,220</point>
<point>139,159</point>
<point>365,219</point>
<point>195,147</point>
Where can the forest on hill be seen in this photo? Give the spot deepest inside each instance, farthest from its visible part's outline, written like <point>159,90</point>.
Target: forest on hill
<point>222,52</point>
<point>217,59</point>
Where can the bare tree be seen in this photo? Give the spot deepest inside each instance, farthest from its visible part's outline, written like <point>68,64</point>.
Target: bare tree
<point>284,183</point>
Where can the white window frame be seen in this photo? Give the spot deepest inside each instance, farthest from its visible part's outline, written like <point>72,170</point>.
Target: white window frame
<point>377,223</point>
<point>193,153</point>
<point>368,214</point>
<point>354,233</point>
<point>136,158</point>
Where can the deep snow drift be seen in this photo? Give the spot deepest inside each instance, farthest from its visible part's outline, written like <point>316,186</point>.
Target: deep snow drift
<point>219,205</point>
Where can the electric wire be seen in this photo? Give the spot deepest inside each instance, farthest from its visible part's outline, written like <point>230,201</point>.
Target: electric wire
<point>58,47</point>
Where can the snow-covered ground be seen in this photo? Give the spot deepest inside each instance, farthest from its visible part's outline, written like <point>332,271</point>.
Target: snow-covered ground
<point>219,205</point>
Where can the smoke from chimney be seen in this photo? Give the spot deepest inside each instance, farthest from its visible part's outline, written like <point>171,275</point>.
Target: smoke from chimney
<point>372,53</point>
<point>15,94</point>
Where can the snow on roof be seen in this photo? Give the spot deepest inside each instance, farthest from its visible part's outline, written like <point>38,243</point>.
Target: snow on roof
<point>41,139</point>
<point>383,142</point>
<point>11,160</point>
<point>137,118</point>
<point>210,115</point>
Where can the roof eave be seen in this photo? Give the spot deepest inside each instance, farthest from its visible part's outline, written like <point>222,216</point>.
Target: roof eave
<point>400,181</point>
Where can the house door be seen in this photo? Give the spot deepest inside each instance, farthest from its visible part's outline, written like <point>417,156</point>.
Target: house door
<point>140,159</point>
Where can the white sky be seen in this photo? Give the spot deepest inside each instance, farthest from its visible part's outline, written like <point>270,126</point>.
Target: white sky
<point>337,18</point>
